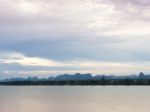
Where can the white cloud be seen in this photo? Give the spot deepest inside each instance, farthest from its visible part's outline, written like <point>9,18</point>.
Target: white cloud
<point>28,7</point>
<point>42,67</point>
<point>23,60</point>
<point>81,18</point>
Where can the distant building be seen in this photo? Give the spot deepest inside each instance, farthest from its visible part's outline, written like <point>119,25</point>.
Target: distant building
<point>141,75</point>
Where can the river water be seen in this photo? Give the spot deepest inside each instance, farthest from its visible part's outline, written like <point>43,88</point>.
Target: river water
<point>74,99</point>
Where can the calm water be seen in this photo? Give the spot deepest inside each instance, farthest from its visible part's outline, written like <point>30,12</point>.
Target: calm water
<point>75,99</point>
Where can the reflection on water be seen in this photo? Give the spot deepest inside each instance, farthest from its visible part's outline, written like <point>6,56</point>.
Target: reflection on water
<point>74,99</point>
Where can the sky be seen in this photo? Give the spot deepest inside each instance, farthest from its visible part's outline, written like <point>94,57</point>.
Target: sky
<point>49,37</point>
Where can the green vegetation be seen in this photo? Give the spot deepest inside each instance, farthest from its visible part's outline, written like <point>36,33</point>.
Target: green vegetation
<point>103,81</point>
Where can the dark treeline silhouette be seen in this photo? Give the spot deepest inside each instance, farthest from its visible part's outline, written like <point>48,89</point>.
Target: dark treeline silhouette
<point>81,79</point>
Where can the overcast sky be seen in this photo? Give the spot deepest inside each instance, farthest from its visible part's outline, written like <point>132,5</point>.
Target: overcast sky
<point>47,37</point>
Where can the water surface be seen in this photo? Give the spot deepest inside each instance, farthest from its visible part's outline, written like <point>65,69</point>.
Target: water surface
<point>74,99</point>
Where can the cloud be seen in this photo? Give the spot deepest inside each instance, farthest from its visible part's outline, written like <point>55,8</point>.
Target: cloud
<point>82,19</point>
<point>17,64</point>
<point>12,58</point>
<point>73,33</point>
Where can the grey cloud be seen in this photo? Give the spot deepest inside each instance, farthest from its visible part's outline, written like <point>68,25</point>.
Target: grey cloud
<point>112,30</point>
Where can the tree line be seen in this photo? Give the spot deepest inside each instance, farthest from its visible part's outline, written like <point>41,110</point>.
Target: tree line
<point>102,81</point>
